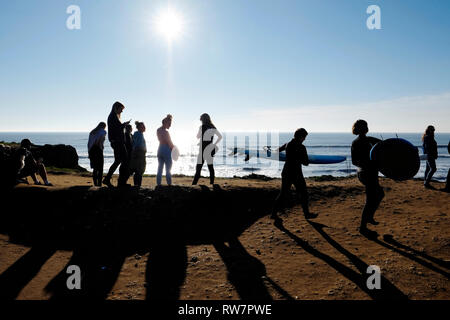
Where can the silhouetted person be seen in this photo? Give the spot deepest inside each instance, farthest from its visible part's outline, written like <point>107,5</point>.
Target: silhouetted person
<point>367,174</point>
<point>116,137</point>
<point>138,163</point>
<point>447,184</point>
<point>95,150</point>
<point>129,139</point>
<point>164,150</point>
<point>11,163</point>
<point>430,149</point>
<point>292,174</point>
<point>31,167</point>
<point>207,149</point>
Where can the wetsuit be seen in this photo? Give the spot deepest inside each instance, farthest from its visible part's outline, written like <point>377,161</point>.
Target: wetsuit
<point>430,149</point>
<point>292,174</point>
<point>368,175</point>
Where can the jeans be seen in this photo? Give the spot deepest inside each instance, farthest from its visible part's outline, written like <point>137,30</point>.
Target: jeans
<point>164,159</point>
<point>430,170</point>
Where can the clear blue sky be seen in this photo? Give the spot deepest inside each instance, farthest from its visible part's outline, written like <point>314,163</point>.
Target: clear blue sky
<point>253,65</point>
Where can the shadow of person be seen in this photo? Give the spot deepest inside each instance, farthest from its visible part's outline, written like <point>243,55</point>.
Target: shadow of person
<point>103,226</point>
<point>390,239</point>
<point>388,290</point>
<point>100,262</point>
<point>413,257</point>
<point>166,270</point>
<point>245,272</point>
<point>17,276</point>
<point>360,279</point>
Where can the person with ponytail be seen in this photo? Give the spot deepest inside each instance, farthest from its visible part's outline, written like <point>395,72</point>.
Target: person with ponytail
<point>164,150</point>
<point>95,151</point>
<point>431,150</point>
<point>206,134</point>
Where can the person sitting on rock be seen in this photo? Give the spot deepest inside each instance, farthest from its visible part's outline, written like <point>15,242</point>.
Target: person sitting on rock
<point>30,166</point>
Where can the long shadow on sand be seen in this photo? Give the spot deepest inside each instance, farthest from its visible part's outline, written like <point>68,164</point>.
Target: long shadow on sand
<point>388,291</point>
<point>246,273</point>
<point>102,227</point>
<point>17,276</point>
<point>413,256</point>
<point>390,239</point>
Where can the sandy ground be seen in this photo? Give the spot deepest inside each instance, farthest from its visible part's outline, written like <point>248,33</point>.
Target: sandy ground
<point>323,259</point>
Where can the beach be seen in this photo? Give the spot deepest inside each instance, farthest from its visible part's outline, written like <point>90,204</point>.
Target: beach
<point>242,256</point>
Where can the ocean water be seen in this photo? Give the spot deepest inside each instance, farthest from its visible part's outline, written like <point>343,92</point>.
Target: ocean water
<point>227,165</point>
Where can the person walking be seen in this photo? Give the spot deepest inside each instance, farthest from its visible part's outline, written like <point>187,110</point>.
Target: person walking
<point>430,149</point>
<point>367,174</point>
<point>116,137</point>
<point>292,174</point>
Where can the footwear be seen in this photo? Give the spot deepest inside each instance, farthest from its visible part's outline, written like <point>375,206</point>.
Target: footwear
<point>37,183</point>
<point>373,222</point>
<point>368,233</point>
<point>311,215</point>
<point>428,186</point>
<point>49,184</point>
<point>107,182</point>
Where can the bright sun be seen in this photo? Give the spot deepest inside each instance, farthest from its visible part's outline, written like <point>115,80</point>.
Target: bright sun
<point>169,24</point>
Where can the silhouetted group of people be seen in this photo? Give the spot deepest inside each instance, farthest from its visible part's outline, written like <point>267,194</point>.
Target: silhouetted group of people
<point>130,149</point>
<point>296,156</point>
<point>130,157</point>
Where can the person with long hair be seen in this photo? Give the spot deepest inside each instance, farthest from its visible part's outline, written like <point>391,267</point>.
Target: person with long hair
<point>116,137</point>
<point>431,150</point>
<point>292,174</point>
<point>207,149</point>
<point>367,174</point>
<point>95,151</point>
<point>164,150</point>
<point>138,163</point>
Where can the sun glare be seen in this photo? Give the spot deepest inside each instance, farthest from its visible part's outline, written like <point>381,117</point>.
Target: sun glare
<point>169,24</point>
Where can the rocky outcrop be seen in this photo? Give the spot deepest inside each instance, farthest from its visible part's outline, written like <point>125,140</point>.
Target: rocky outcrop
<point>59,156</point>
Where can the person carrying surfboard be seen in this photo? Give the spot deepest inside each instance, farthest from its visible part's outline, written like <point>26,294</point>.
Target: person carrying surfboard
<point>367,174</point>
<point>292,174</point>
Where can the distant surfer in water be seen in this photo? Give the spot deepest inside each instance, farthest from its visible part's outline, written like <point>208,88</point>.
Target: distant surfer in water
<point>367,174</point>
<point>206,134</point>
<point>430,149</point>
<point>292,174</point>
